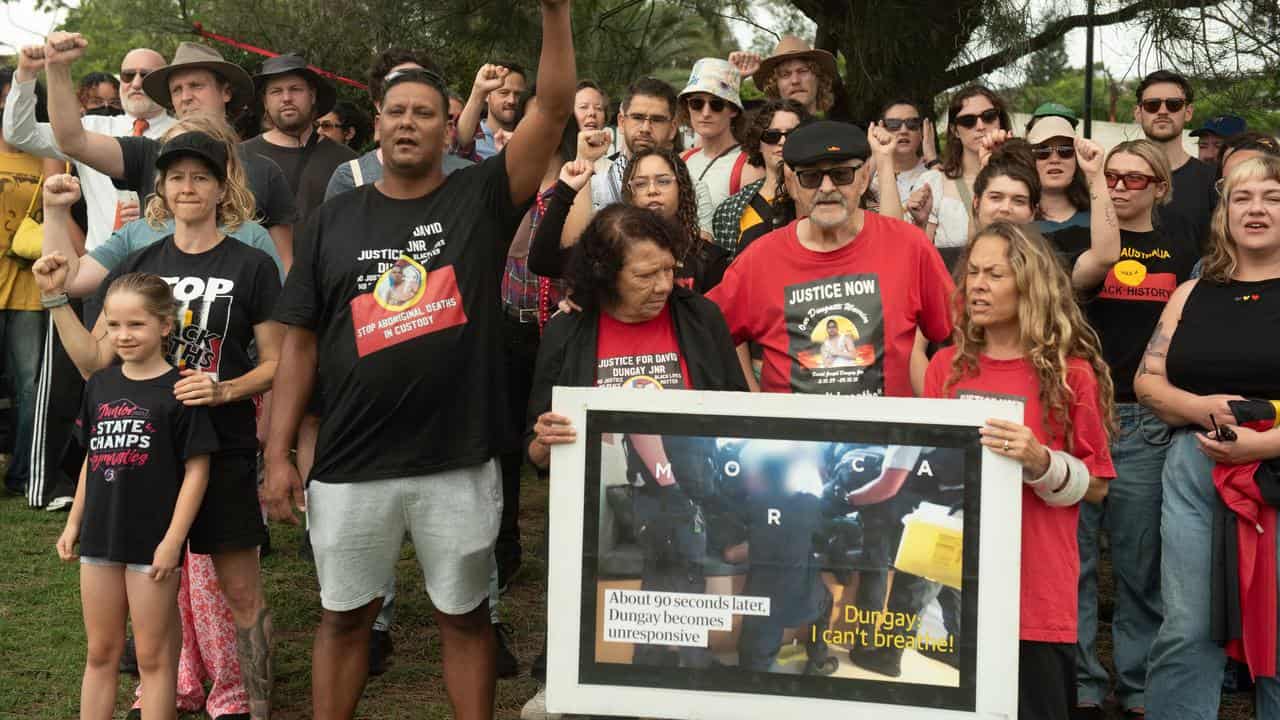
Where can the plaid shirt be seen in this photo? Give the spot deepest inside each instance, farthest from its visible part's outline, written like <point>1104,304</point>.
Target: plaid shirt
<point>521,289</point>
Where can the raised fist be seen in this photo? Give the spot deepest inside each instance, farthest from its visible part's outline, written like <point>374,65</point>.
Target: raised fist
<point>64,48</point>
<point>489,78</point>
<point>577,173</point>
<point>61,191</point>
<point>746,62</point>
<point>593,144</point>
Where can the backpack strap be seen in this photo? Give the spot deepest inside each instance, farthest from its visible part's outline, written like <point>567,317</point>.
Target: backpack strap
<point>735,177</point>
<point>356,176</point>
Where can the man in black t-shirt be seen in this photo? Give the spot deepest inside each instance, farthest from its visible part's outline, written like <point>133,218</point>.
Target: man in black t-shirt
<point>415,401</point>
<point>1164,108</point>
<point>197,82</point>
<point>293,96</point>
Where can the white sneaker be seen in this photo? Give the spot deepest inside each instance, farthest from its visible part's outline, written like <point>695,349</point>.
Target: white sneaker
<point>60,503</point>
<point>536,708</point>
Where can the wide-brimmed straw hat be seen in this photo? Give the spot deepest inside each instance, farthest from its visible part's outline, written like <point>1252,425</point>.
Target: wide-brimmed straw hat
<point>791,47</point>
<point>326,96</point>
<point>194,56</point>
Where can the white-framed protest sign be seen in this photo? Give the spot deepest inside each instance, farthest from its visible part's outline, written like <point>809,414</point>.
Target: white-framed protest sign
<point>734,555</point>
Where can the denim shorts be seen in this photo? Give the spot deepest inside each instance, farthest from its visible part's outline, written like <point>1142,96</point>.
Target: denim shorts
<point>132,567</point>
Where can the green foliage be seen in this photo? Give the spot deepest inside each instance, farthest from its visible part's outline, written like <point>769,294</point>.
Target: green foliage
<point>1253,97</point>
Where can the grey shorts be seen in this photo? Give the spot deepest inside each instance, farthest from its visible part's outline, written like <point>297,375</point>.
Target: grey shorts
<point>132,567</point>
<point>452,517</point>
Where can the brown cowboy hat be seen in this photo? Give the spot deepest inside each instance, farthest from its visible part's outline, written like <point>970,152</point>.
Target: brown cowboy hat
<point>291,64</point>
<point>791,47</point>
<point>194,56</point>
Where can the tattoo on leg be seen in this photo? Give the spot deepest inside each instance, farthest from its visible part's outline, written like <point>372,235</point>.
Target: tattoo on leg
<point>253,647</point>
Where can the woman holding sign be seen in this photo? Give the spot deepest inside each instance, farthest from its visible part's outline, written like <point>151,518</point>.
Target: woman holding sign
<point>1019,334</point>
<point>638,329</point>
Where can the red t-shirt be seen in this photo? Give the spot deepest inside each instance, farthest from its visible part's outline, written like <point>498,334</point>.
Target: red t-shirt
<point>1051,557</point>
<point>644,355</point>
<point>842,322</point>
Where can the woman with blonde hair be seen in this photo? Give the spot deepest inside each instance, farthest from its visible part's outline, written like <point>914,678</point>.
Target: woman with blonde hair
<point>225,293</point>
<point>1215,342</point>
<point>1020,334</point>
<point>1124,308</point>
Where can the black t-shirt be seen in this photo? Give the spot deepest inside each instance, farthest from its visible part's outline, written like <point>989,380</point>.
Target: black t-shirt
<point>1226,340</point>
<point>1130,300</point>
<point>1194,198</point>
<point>405,298</point>
<point>308,180</point>
<point>222,293</point>
<point>139,439</point>
<point>266,181</point>
<point>1068,244</point>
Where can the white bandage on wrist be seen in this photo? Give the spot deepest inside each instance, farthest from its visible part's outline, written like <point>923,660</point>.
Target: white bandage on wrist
<point>1067,475</point>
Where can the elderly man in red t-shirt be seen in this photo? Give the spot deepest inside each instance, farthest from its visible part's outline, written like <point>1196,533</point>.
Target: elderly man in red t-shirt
<point>875,278</point>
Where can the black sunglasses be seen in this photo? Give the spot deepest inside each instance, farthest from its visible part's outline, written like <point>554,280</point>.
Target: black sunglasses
<point>127,76</point>
<point>421,74</point>
<point>894,124</point>
<point>1044,152</point>
<point>717,105</point>
<point>773,137</point>
<point>1152,106</point>
<point>840,175</point>
<point>1222,433</point>
<point>969,121</point>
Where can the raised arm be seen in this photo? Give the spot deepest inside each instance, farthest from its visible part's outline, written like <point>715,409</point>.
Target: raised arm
<point>882,143</point>
<point>535,138</point>
<point>98,151</point>
<point>20,127</point>
<point>488,79</point>
<point>1171,404</point>
<point>1104,229</point>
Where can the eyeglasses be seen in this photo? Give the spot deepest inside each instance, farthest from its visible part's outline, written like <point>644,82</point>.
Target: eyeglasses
<point>329,125</point>
<point>811,178</point>
<point>1132,181</point>
<point>1152,106</point>
<point>641,119</point>
<point>969,121</point>
<point>773,137</point>
<point>895,124</point>
<point>662,182</point>
<point>127,76</point>
<point>696,104</point>
<point>1044,152</point>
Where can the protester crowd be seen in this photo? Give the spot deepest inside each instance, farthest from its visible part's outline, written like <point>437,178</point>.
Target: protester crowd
<point>212,326</point>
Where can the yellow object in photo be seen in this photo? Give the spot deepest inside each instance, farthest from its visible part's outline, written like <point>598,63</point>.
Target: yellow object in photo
<point>932,545</point>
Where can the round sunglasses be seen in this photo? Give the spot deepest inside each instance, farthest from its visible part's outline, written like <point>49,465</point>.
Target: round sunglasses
<point>696,104</point>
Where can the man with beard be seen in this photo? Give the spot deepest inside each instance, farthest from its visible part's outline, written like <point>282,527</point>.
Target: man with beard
<point>497,89</point>
<point>1165,106</point>
<point>412,451</point>
<point>58,401</point>
<point>880,273</point>
<point>293,96</point>
<point>794,71</point>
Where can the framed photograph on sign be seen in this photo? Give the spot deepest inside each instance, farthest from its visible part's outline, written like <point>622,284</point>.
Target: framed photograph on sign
<point>731,555</point>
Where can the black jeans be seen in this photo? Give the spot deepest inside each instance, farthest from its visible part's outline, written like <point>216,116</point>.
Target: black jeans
<point>521,352</point>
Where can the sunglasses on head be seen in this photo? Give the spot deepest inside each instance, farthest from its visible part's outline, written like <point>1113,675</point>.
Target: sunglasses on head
<point>717,105</point>
<point>773,137</point>
<point>811,178</point>
<point>894,124</point>
<point>127,76</point>
<point>428,76</point>
<point>1044,152</point>
<point>1152,106</point>
<point>1132,181</point>
<point>971,120</point>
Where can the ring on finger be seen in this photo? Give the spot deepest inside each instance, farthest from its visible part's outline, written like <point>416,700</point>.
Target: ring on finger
<point>1006,446</point>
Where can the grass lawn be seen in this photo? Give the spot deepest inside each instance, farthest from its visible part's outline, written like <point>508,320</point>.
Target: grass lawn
<point>42,636</point>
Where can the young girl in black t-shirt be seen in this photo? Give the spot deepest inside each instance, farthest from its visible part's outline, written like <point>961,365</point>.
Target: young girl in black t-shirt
<point>142,482</point>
